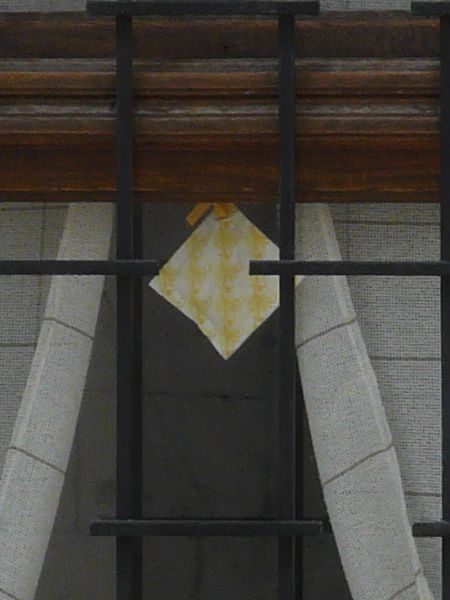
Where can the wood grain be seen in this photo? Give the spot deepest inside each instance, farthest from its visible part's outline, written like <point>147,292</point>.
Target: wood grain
<point>206,128</point>
<point>331,35</point>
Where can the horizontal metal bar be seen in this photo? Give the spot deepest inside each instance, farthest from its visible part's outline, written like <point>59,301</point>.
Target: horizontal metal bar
<point>430,9</point>
<point>79,267</point>
<point>345,267</point>
<point>432,529</point>
<point>203,7</point>
<point>236,528</point>
<point>207,528</point>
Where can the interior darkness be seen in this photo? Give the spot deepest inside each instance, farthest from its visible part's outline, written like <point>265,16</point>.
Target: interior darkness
<point>211,447</point>
<point>210,450</point>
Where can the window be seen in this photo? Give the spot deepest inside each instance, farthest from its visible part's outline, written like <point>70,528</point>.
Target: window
<point>128,526</point>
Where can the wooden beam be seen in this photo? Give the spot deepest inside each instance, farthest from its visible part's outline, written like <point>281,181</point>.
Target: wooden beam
<point>331,35</point>
<point>205,129</point>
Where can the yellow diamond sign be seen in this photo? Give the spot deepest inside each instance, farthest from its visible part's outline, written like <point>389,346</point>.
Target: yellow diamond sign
<point>208,279</point>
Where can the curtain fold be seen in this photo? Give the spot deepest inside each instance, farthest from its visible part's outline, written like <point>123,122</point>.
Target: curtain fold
<point>37,457</point>
<point>352,441</point>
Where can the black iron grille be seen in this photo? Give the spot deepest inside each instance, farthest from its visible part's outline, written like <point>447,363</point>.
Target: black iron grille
<point>129,526</point>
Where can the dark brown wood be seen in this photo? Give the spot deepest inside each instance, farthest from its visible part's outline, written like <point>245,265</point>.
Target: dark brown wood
<point>206,129</point>
<point>228,170</point>
<point>343,35</point>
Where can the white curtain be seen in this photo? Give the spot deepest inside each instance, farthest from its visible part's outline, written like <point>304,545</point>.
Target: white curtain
<point>352,440</point>
<point>38,453</point>
<point>353,444</point>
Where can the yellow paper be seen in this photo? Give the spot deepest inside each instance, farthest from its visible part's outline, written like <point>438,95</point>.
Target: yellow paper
<point>208,280</point>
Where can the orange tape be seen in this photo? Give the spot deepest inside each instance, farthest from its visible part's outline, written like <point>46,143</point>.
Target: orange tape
<point>221,211</point>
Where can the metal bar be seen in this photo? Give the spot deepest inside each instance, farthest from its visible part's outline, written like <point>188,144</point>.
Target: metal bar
<point>138,390</point>
<point>206,528</point>
<point>138,267</point>
<point>299,478</point>
<point>132,268</point>
<point>445,290</point>
<point>203,7</point>
<point>430,9</point>
<point>287,368</point>
<point>432,529</point>
<point>402,268</point>
<point>129,449</point>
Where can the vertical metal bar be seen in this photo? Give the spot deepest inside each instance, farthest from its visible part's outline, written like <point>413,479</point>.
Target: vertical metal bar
<point>299,480</point>
<point>138,362</point>
<point>445,291</point>
<point>287,370</point>
<point>129,448</point>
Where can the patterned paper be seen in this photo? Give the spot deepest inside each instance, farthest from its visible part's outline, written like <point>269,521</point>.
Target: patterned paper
<point>208,279</point>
